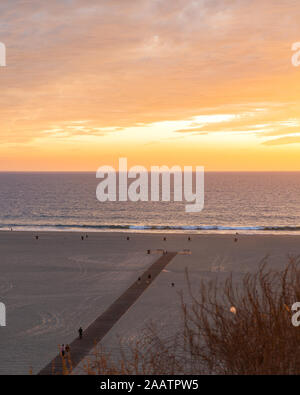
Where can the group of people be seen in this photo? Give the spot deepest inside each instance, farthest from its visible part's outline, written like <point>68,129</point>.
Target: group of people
<point>66,349</point>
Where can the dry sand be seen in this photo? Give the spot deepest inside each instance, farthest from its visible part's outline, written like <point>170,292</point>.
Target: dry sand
<point>53,285</point>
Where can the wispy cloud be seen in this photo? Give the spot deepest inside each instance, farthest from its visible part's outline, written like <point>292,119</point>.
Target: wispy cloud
<point>121,63</point>
<point>294,139</point>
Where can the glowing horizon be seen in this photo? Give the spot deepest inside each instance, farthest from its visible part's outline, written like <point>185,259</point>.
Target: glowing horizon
<point>161,83</point>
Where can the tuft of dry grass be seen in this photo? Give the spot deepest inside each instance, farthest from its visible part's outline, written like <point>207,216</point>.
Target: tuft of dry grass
<point>150,355</point>
<point>245,329</point>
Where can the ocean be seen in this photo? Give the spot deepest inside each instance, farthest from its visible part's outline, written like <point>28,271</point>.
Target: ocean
<point>261,202</point>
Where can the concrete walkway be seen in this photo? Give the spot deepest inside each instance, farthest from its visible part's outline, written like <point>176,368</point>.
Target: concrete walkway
<point>102,325</point>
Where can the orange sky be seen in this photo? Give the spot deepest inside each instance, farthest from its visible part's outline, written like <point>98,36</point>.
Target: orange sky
<point>207,82</point>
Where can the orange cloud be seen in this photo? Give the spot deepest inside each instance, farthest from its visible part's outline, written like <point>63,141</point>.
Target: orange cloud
<point>121,64</point>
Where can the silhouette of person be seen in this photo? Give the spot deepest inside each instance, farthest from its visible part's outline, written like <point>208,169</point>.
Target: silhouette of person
<point>80,331</point>
<point>62,350</point>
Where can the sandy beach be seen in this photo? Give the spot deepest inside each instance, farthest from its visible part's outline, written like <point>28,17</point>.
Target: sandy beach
<point>55,284</point>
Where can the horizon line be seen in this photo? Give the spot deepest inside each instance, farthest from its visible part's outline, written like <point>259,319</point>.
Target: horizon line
<point>95,171</point>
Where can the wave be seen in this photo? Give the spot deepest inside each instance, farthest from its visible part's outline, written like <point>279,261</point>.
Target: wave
<point>137,227</point>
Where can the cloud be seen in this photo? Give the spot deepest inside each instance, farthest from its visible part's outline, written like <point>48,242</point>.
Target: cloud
<point>123,62</point>
<point>284,140</point>
<point>260,119</point>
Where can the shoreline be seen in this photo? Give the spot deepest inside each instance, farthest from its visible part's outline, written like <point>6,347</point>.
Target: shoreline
<point>142,231</point>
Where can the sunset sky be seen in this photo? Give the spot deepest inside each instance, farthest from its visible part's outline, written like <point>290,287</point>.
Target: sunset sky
<point>161,82</point>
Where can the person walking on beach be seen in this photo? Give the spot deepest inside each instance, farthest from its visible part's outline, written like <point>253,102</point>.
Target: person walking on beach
<point>80,331</point>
